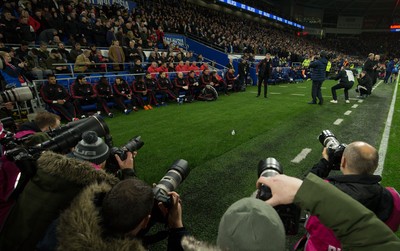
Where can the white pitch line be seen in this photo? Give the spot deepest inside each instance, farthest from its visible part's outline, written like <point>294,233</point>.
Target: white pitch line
<point>296,94</point>
<point>301,87</point>
<point>275,93</point>
<point>360,101</point>
<point>302,155</point>
<point>338,121</point>
<point>354,106</point>
<point>283,86</point>
<point>386,133</point>
<point>376,86</point>
<point>347,113</point>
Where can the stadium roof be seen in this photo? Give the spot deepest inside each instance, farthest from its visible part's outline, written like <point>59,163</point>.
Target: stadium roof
<point>360,8</point>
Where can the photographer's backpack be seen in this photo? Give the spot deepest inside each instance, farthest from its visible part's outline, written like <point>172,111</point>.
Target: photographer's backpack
<point>319,237</point>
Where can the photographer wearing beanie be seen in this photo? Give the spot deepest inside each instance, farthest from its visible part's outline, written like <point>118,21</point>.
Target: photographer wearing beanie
<point>118,213</point>
<point>57,181</point>
<point>112,218</point>
<point>92,149</point>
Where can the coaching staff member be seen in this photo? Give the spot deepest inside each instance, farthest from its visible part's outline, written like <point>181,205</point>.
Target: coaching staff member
<point>263,72</point>
<point>318,76</point>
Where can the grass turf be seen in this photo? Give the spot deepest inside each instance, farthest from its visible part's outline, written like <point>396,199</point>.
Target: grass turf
<point>224,166</point>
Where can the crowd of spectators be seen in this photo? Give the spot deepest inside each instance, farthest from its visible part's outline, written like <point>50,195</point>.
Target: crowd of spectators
<point>125,34</point>
<point>79,22</point>
<point>83,25</point>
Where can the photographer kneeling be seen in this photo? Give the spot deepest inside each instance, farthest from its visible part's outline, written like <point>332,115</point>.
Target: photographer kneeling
<point>346,81</point>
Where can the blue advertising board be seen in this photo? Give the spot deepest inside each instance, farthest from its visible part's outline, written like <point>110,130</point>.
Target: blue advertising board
<point>262,13</point>
<point>180,40</point>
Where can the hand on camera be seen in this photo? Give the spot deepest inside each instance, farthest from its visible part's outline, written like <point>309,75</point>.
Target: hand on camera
<point>128,163</point>
<point>283,188</point>
<point>174,213</point>
<point>325,154</point>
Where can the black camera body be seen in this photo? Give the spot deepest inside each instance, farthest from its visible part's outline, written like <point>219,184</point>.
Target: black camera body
<point>172,179</point>
<point>133,145</point>
<point>334,148</point>
<point>176,174</point>
<point>289,214</point>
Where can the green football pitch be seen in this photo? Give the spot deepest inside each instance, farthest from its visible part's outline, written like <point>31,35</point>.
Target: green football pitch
<point>224,166</point>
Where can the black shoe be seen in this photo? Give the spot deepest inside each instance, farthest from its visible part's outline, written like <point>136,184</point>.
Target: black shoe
<point>320,102</point>
<point>257,96</point>
<point>312,103</point>
<point>265,96</point>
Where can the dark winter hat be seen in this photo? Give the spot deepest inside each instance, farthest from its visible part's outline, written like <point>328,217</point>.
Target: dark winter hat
<point>251,224</point>
<point>80,76</point>
<point>323,54</point>
<point>91,148</point>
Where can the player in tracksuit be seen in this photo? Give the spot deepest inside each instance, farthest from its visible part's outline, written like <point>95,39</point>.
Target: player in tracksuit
<point>141,90</point>
<point>193,83</point>
<point>165,86</point>
<point>58,98</point>
<point>231,80</point>
<point>105,94</point>
<point>122,93</point>
<point>181,84</point>
<point>83,93</point>
<point>152,86</point>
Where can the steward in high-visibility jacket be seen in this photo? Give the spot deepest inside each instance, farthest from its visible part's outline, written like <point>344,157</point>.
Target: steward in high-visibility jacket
<point>328,68</point>
<point>306,63</point>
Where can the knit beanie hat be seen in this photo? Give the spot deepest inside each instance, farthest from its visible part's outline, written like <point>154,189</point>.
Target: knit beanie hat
<point>251,224</point>
<point>91,148</point>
